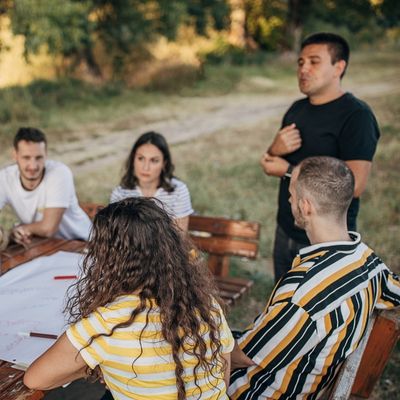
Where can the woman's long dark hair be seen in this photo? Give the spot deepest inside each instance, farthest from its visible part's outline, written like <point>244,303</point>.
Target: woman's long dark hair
<point>129,180</point>
<point>135,246</point>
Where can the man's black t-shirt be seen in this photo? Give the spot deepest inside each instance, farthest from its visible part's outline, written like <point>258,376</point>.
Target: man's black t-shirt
<point>344,128</point>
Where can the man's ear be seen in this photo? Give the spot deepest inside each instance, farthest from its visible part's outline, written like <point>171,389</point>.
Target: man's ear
<point>306,205</point>
<point>340,67</point>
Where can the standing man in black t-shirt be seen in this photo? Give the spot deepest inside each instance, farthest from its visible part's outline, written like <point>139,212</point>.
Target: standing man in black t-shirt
<point>327,122</point>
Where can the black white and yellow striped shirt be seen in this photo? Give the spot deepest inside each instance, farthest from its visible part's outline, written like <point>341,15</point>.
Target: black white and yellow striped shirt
<point>315,319</point>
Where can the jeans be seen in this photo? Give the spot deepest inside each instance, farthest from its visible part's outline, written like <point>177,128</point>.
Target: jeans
<point>285,250</point>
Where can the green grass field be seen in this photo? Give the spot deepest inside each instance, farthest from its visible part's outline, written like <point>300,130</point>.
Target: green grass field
<point>222,169</point>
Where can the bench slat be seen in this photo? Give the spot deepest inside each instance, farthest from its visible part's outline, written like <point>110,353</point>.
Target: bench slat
<point>220,238</point>
<point>226,247</point>
<point>225,227</point>
<point>381,343</point>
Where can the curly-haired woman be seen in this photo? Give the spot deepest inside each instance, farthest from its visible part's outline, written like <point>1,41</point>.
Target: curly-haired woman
<point>149,173</point>
<point>144,311</point>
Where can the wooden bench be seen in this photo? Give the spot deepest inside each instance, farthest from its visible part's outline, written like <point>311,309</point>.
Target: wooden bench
<point>219,238</point>
<point>361,371</point>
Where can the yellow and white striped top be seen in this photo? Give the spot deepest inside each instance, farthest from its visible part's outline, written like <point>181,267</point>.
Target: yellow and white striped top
<point>144,369</point>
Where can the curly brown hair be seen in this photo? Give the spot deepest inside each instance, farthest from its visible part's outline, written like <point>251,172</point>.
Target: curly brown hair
<point>136,247</point>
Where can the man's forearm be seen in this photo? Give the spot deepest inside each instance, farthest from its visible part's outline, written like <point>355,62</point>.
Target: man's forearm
<point>48,226</point>
<point>239,359</point>
<point>41,228</point>
<point>274,166</point>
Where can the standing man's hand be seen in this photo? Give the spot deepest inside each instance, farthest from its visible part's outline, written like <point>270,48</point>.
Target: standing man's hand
<point>286,141</point>
<point>274,166</point>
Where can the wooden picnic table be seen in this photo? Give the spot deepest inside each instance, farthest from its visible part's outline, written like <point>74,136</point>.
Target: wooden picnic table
<point>11,385</point>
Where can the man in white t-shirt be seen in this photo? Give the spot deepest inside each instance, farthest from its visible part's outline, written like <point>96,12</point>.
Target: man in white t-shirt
<point>41,192</point>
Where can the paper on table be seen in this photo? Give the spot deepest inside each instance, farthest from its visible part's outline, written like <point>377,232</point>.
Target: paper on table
<point>32,300</point>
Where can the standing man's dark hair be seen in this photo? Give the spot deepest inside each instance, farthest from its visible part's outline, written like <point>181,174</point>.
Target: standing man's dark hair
<point>338,47</point>
<point>29,135</point>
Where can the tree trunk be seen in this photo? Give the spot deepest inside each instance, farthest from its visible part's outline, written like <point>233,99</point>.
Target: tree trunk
<point>237,33</point>
<point>297,14</point>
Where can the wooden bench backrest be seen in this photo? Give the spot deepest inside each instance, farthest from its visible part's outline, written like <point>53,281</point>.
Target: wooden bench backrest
<point>219,237</point>
<point>381,343</point>
<point>363,368</point>
<point>222,238</point>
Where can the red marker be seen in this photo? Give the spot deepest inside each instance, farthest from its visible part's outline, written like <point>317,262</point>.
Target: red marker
<point>59,277</point>
<point>38,335</point>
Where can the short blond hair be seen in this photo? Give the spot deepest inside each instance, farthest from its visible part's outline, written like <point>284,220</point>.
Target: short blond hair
<point>329,181</point>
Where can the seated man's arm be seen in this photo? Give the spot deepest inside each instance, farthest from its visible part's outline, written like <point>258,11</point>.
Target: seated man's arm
<point>269,340</point>
<point>239,358</point>
<point>47,227</point>
<point>278,339</point>
<point>227,371</point>
<point>390,290</point>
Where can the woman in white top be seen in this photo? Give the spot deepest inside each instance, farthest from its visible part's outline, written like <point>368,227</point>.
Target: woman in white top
<point>149,173</point>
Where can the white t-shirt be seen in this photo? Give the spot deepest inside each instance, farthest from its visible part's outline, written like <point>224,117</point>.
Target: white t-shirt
<point>56,190</point>
<point>177,203</point>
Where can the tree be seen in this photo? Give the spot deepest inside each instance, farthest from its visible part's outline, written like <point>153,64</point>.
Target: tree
<point>388,12</point>
<point>281,24</point>
<point>265,22</point>
<point>64,27</point>
<point>296,14</point>
<point>71,28</point>
<point>5,6</point>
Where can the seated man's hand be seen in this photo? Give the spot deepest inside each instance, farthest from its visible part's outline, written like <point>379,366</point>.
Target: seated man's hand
<point>239,358</point>
<point>21,235</point>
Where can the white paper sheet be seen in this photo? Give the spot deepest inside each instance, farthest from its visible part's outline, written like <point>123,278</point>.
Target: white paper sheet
<point>31,300</point>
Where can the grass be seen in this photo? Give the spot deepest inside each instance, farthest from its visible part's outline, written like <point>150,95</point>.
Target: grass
<point>63,107</point>
<point>222,169</point>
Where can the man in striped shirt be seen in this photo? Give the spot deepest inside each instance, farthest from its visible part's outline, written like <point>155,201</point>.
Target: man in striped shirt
<point>318,311</point>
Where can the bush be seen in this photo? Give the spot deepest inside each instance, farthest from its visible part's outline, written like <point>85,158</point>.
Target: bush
<point>173,78</point>
<point>226,53</point>
<point>64,92</point>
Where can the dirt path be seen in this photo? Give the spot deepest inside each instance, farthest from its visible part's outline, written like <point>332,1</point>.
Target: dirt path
<point>185,119</point>
<point>189,118</point>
